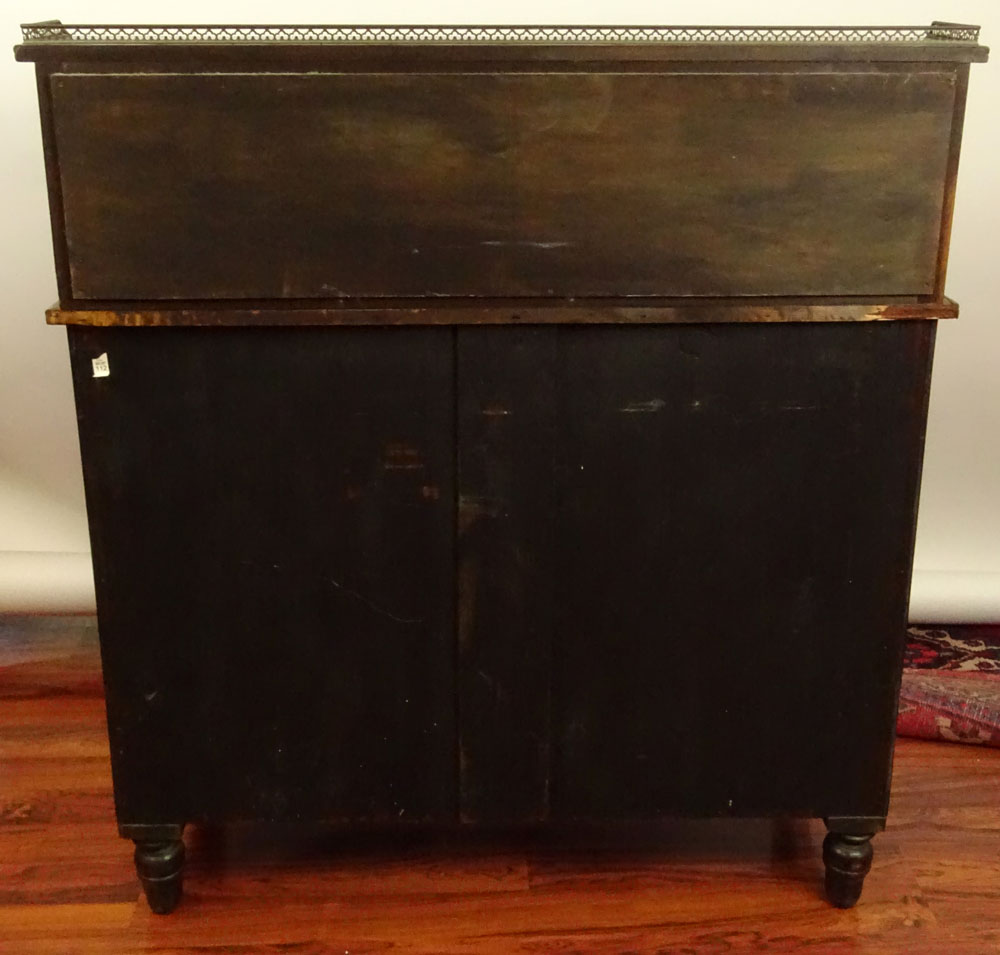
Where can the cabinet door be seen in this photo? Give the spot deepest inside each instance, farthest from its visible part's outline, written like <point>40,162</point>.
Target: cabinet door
<point>272,514</point>
<point>685,556</point>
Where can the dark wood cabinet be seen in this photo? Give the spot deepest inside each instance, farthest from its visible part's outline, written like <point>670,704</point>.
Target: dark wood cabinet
<point>275,518</point>
<point>501,425</point>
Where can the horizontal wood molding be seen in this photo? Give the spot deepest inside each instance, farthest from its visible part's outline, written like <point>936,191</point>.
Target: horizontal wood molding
<point>462,313</point>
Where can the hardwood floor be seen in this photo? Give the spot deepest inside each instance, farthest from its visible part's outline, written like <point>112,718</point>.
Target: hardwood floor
<point>67,884</point>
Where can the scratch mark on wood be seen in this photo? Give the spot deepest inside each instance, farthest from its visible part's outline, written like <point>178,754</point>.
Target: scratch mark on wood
<point>644,407</point>
<point>525,243</point>
<point>372,605</point>
<point>400,456</point>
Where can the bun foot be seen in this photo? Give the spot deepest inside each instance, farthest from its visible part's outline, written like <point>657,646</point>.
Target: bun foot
<point>160,867</point>
<point>847,859</point>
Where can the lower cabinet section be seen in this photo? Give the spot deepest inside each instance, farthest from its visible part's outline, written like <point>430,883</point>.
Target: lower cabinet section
<point>272,515</point>
<point>502,574</point>
<point>684,563</point>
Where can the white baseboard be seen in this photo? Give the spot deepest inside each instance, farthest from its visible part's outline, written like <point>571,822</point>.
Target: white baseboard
<point>46,582</point>
<point>955,596</point>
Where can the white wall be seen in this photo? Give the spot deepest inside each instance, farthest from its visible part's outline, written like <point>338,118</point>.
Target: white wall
<point>41,497</point>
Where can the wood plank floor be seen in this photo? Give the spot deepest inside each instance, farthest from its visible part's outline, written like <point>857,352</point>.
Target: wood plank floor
<point>67,884</point>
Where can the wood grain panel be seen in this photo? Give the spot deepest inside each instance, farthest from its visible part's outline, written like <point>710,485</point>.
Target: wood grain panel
<point>507,441</point>
<point>309,186</point>
<point>765,475</point>
<point>272,523</point>
<point>624,491</point>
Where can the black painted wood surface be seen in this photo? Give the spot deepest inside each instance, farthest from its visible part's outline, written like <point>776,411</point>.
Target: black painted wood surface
<point>821,181</point>
<point>685,557</point>
<point>272,518</point>
<point>502,574</point>
<point>737,512</point>
<point>508,441</point>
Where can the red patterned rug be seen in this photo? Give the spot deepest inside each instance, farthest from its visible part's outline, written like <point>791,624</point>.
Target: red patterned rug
<point>951,685</point>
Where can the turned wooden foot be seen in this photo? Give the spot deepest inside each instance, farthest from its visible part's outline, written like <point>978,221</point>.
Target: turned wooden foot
<point>160,866</point>
<point>847,859</point>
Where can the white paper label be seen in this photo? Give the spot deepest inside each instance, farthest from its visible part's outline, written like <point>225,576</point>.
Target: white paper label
<point>101,367</point>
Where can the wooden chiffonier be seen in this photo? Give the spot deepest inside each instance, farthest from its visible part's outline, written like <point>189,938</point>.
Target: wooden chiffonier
<point>499,425</point>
